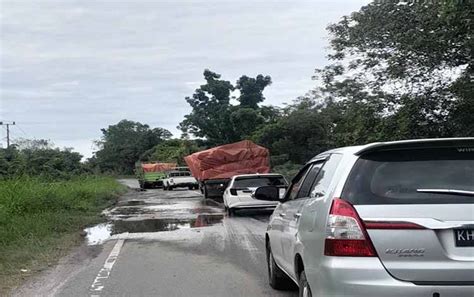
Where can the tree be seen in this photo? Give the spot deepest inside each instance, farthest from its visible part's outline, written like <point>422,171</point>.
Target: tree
<point>215,119</point>
<point>296,136</point>
<point>210,111</point>
<point>251,90</point>
<point>121,145</point>
<point>412,59</point>
<point>172,150</point>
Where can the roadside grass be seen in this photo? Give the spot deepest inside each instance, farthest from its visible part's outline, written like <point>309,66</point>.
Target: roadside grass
<point>41,221</point>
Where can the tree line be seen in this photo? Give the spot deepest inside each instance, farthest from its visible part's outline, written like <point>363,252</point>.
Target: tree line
<point>397,70</point>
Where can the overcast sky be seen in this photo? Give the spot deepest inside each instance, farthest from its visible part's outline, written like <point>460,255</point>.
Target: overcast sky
<point>69,68</point>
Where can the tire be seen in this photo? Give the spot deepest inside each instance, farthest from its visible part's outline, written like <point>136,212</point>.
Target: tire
<point>170,188</point>
<point>190,188</point>
<point>304,290</point>
<point>277,279</point>
<point>230,211</point>
<point>165,188</point>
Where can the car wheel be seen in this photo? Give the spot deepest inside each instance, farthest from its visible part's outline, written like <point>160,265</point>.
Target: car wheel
<point>230,211</point>
<point>305,290</point>
<point>170,188</point>
<point>277,278</point>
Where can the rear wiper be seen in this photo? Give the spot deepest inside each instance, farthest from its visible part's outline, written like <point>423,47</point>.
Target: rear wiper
<point>447,191</point>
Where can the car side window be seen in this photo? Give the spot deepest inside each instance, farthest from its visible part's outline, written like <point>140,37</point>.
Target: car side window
<point>322,182</point>
<point>309,179</point>
<point>296,184</point>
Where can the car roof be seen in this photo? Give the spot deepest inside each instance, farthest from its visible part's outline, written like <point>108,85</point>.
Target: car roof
<point>257,175</point>
<point>400,144</point>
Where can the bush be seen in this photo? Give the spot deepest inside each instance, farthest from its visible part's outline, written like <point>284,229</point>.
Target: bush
<point>38,219</point>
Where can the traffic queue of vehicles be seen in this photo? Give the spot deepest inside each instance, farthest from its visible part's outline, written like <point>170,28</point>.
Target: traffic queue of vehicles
<point>382,219</point>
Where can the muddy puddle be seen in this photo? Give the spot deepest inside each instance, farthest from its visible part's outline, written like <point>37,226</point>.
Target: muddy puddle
<point>100,233</point>
<point>158,225</point>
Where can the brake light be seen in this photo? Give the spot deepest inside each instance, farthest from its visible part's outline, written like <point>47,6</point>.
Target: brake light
<point>345,234</point>
<point>396,225</point>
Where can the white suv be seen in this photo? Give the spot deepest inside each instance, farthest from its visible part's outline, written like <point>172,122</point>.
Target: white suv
<point>385,219</point>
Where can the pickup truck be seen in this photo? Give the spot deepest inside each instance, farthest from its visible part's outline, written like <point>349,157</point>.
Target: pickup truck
<point>179,179</point>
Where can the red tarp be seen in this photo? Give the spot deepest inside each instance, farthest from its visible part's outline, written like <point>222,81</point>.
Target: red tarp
<point>157,167</point>
<point>225,161</point>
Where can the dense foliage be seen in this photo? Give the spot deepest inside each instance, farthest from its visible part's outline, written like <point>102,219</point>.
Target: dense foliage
<point>39,158</point>
<point>173,151</point>
<point>122,145</point>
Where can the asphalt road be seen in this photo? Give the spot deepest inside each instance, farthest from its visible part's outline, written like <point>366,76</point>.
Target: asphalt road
<point>160,243</point>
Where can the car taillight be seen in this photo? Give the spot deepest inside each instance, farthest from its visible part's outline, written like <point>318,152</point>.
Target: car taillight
<point>345,234</point>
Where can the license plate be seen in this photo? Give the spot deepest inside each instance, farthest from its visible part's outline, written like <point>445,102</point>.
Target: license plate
<point>464,237</point>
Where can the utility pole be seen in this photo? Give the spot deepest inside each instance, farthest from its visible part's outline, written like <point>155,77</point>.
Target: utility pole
<point>8,130</point>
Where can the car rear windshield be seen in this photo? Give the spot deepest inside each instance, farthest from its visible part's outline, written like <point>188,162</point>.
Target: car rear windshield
<point>181,173</point>
<point>423,176</point>
<point>254,182</point>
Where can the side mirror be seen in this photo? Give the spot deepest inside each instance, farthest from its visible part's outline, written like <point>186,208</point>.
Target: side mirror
<point>269,193</point>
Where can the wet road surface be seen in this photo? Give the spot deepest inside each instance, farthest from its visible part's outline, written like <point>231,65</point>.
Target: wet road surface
<point>165,243</point>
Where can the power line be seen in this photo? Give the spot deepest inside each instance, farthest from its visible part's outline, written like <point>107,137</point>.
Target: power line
<point>22,131</point>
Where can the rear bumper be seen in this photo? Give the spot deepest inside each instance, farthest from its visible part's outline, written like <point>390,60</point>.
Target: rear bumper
<point>183,185</point>
<point>252,204</point>
<point>366,277</point>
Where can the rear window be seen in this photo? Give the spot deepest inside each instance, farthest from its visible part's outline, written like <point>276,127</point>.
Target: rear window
<point>412,177</point>
<point>253,182</point>
<point>183,173</point>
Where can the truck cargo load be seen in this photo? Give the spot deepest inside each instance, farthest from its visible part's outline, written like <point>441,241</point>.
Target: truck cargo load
<point>152,174</point>
<point>215,166</point>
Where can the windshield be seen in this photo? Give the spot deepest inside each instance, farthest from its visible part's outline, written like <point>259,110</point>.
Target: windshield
<point>412,177</point>
<point>255,182</point>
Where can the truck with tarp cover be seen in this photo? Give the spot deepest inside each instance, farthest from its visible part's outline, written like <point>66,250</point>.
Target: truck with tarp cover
<point>214,167</point>
<point>151,174</point>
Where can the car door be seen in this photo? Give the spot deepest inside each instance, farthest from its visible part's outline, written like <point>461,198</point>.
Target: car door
<point>292,213</point>
<point>277,222</point>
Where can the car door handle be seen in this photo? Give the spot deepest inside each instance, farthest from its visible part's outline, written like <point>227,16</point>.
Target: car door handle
<point>282,214</point>
<point>297,215</point>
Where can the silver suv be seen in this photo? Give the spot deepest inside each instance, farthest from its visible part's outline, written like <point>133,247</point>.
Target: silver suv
<point>384,219</point>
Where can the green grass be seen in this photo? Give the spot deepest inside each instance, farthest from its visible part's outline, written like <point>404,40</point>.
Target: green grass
<point>40,221</point>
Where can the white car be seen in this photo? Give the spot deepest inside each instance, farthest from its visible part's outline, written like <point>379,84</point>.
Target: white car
<point>239,192</point>
<point>179,179</point>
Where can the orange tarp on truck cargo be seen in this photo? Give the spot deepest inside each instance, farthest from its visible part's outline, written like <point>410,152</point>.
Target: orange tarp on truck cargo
<point>225,161</point>
<point>157,167</point>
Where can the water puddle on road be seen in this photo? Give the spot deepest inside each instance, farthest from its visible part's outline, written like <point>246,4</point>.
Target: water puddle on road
<point>98,234</point>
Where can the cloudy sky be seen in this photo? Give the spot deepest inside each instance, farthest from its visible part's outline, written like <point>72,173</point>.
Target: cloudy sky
<point>69,68</point>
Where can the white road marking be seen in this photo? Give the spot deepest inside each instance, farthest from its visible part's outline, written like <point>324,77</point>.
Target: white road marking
<point>104,273</point>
